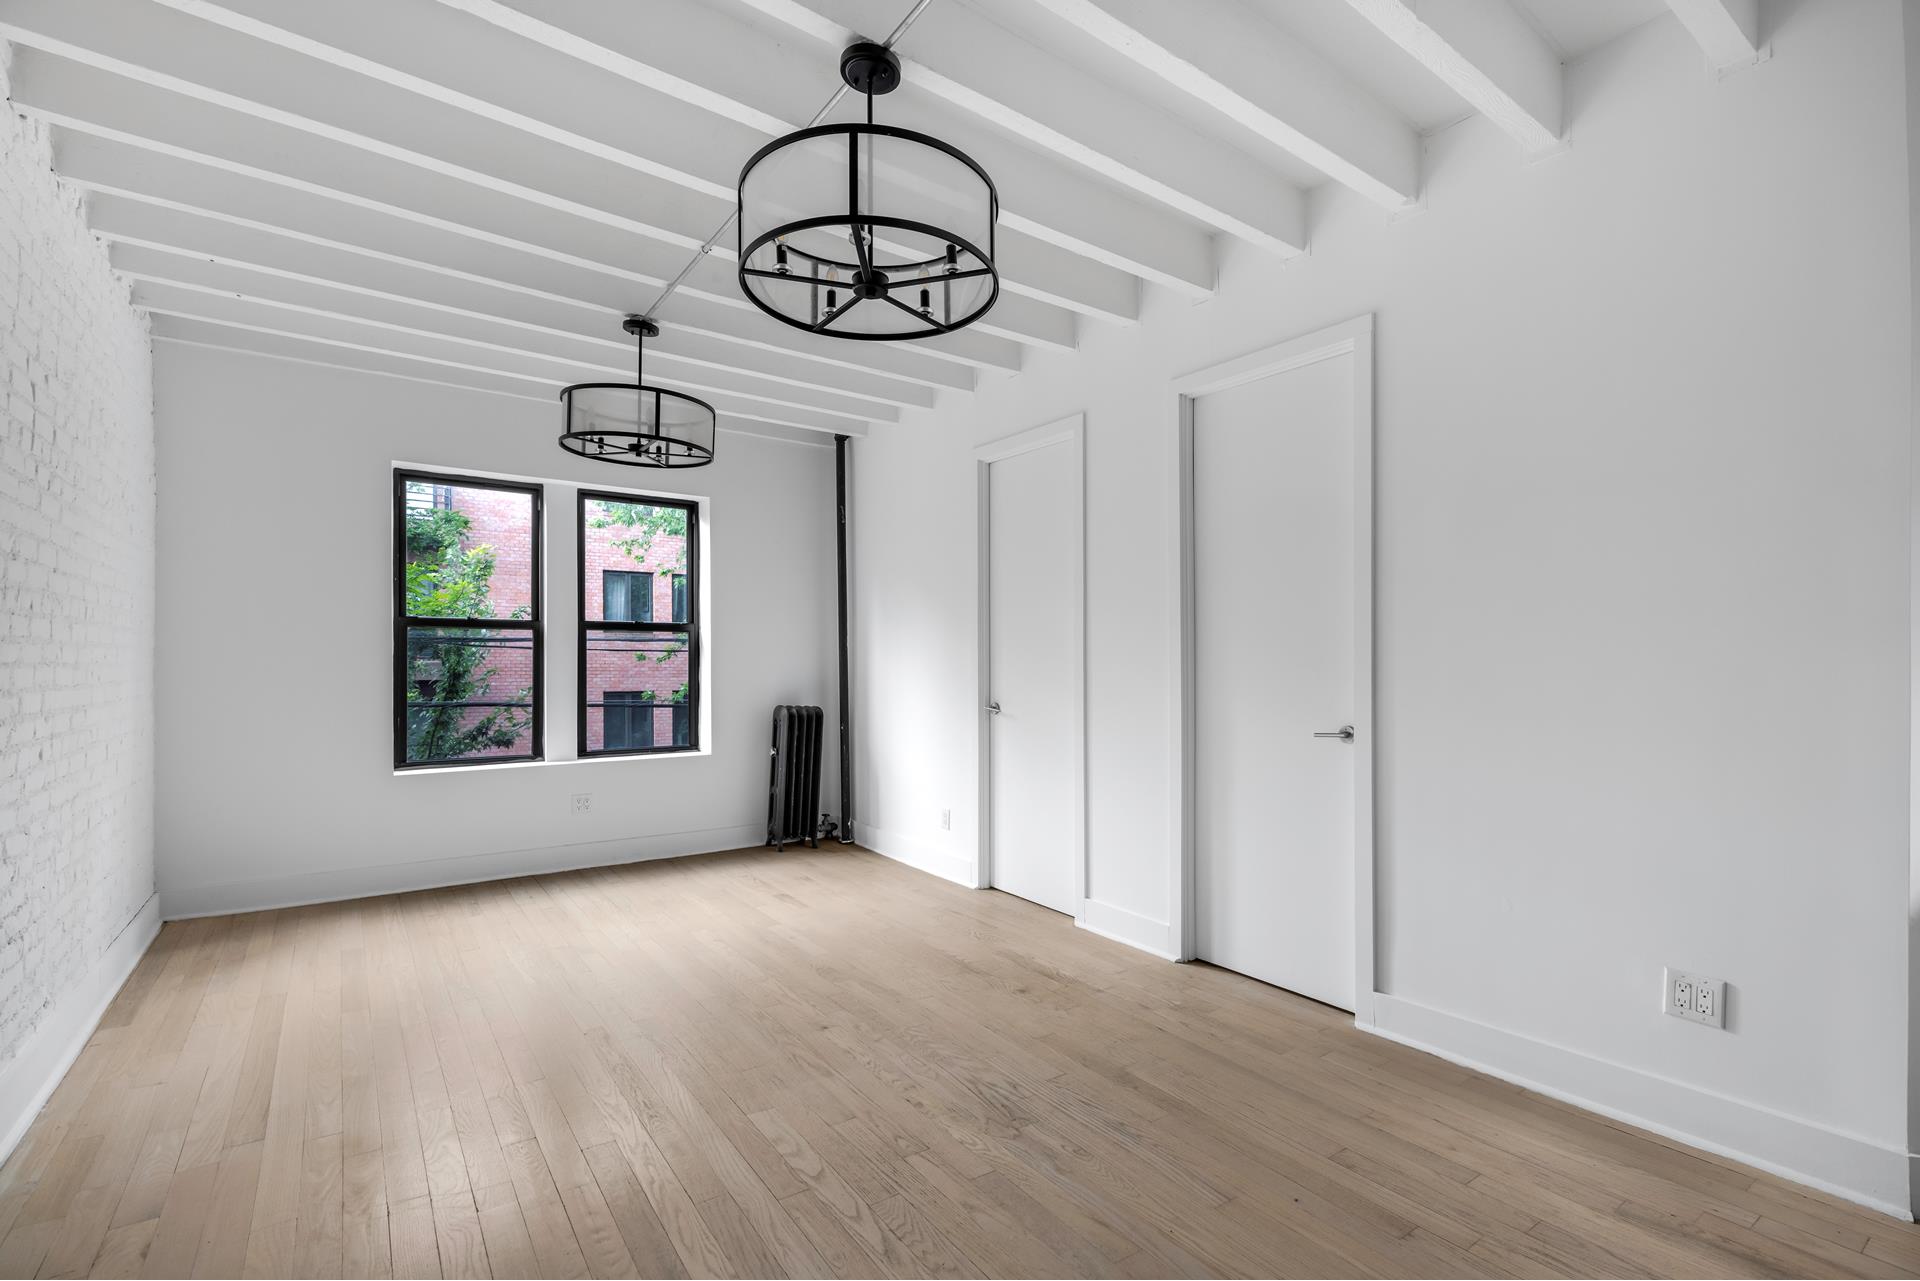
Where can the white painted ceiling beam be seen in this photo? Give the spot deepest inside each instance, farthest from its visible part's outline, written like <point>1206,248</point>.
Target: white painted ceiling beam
<point>1488,54</point>
<point>540,370</point>
<point>144,45</point>
<point>175,331</point>
<point>126,222</point>
<point>117,110</point>
<point>173,277</point>
<point>392,292</point>
<point>1727,30</point>
<point>144,195</point>
<point>224,85</point>
<point>172,332</point>
<point>375,39</point>
<point>1220,54</point>
<point>955,57</point>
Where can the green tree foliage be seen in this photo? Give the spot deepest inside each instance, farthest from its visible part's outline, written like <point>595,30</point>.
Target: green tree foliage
<point>647,522</point>
<point>447,580</point>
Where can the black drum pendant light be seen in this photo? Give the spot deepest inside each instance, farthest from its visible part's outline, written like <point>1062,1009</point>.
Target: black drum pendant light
<point>634,424</point>
<point>867,231</point>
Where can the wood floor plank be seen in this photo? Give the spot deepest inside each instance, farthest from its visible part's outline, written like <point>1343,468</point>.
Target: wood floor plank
<point>597,1233</point>
<point>818,1063</point>
<point>503,1230</point>
<point>456,1228</point>
<point>415,1241</point>
<point>640,1228</point>
<point>229,1222</point>
<point>124,1252</point>
<point>364,1246</point>
<point>176,1238</point>
<point>318,1236</point>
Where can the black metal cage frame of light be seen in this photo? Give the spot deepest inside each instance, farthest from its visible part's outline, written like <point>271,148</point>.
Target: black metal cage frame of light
<point>634,446</point>
<point>869,69</point>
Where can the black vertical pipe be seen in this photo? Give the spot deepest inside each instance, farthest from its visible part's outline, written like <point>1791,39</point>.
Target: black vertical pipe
<point>846,718</point>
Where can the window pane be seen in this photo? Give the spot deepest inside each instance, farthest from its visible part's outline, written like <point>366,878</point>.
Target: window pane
<point>625,670</point>
<point>630,717</point>
<point>636,539</point>
<point>469,551</point>
<point>469,693</point>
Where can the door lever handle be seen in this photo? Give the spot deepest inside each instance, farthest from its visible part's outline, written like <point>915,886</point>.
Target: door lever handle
<point>993,709</point>
<point>1344,733</point>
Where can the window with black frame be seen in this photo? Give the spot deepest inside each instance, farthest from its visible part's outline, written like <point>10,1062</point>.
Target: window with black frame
<point>639,626</point>
<point>467,630</point>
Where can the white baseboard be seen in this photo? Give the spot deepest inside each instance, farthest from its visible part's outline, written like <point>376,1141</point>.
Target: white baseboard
<point>51,1048</point>
<point>917,852</point>
<point>1131,928</point>
<point>1845,1165</point>
<point>337,885</point>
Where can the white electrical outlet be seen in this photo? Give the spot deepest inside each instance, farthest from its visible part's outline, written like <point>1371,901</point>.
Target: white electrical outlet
<point>946,820</point>
<point>583,802</point>
<point>1696,999</point>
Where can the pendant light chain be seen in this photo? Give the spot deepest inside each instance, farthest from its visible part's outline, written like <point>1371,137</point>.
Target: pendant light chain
<point>706,246</point>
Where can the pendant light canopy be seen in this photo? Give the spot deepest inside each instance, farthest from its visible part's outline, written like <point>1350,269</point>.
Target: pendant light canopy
<point>633,424</point>
<point>867,231</point>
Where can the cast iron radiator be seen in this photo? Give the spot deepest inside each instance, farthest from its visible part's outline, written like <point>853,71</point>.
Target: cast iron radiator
<point>793,777</point>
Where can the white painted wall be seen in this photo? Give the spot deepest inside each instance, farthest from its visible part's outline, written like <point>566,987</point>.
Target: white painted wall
<point>76,626</point>
<point>1912,50</point>
<point>276,760</point>
<point>1643,504</point>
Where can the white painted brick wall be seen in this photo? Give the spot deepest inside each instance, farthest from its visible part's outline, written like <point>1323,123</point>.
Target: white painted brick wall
<point>76,591</point>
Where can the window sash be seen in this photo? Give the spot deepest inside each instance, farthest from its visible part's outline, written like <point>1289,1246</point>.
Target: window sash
<point>404,623</point>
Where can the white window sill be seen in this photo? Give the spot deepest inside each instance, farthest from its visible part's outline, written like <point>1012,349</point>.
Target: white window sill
<point>421,770</point>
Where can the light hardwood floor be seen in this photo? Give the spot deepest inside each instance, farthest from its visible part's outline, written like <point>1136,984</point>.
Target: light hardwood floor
<point>808,1064</point>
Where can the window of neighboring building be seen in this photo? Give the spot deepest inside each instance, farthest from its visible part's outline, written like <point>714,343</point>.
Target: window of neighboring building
<point>629,719</point>
<point>466,627</point>
<point>628,655</point>
<point>425,497</point>
<point>629,596</point>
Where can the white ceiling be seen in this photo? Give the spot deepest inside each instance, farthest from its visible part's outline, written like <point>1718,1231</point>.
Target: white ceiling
<point>474,191</point>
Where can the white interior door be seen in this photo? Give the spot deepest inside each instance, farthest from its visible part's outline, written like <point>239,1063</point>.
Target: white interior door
<point>1274,588</point>
<point>1033,627</point>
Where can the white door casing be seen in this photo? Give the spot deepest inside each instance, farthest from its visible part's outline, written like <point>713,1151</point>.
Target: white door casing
<point>1273,678</point>
<point>1352,338</point>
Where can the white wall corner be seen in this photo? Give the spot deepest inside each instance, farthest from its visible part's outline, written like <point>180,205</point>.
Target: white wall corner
<point>922,853</point>
<point>57,1039</point>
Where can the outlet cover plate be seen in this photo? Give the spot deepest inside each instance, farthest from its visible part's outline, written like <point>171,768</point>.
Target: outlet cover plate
<point>1694,997</point>
<point>583,802</point>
